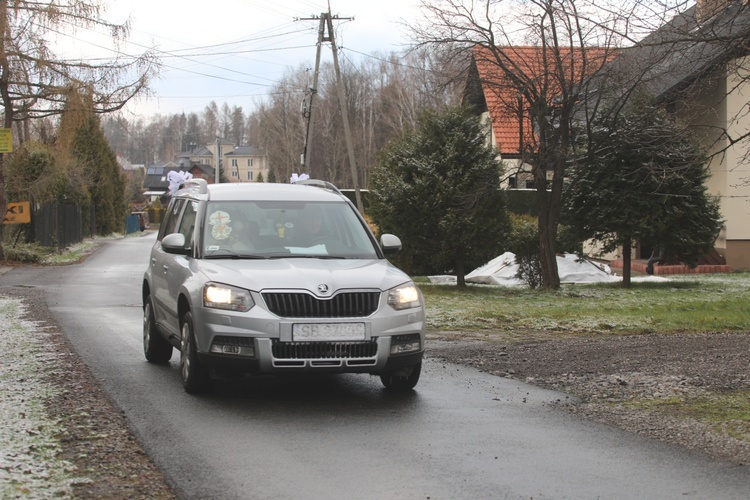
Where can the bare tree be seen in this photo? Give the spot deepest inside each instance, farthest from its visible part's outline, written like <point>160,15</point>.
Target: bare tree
<point>225,121</point>
<point>210,123</point>
<point>549,62</point>
<point>237,130</point>
<point>192,132</point>
<point>706,46</point>
<point>171,137</point>
<point>34,82</point>
<point>385,94</point>
<point>276,126</point>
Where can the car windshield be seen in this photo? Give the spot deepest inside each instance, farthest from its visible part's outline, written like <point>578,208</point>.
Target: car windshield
<point>278,229</point>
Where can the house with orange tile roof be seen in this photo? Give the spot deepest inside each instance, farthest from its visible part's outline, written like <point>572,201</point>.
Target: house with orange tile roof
<point>702,83</point>
<point>494,94</point>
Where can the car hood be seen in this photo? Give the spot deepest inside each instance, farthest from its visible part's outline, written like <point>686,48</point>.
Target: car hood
<point>304,273</point>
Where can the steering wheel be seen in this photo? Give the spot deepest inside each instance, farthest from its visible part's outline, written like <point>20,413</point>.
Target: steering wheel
<point>318,240</point>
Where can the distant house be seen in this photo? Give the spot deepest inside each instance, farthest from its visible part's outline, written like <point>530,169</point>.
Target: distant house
<point>130,170</point>
<point>156,184</point>
<point>201,171</point>
<point>239,163</point>
<point>246,164</point>
<point>125,166</point>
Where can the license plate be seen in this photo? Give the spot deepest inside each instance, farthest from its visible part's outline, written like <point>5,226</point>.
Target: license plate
<point>327,332</point>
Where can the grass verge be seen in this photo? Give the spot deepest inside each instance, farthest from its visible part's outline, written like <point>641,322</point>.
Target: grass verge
<point>686,303</point>
<point>723,413</point>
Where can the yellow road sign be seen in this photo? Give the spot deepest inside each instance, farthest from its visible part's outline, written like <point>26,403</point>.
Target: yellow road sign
<point>6,140</point>
<point>18,213</point>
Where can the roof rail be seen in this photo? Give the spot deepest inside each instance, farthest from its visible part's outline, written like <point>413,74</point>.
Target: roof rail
<point>196,186</point>
<point>321,184</point>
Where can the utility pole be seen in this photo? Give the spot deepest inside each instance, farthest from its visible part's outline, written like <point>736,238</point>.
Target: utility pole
<point>326,22</point>
<point>307,110</point>
<point>217,178</point>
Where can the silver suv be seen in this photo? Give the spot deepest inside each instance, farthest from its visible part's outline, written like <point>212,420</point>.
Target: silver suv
<point>278,278</point>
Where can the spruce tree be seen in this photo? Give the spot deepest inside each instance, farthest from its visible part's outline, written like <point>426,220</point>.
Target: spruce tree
<point>437,188</point>
<point>105,183</point>
<point>643,180</point>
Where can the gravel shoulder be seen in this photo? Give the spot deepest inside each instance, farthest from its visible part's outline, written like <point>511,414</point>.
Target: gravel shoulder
<point>90,450</point>
<point>635,382</point>
<point>610,376</point>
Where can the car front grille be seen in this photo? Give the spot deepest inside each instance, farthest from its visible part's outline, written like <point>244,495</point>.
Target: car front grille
<point>303,305</point>
<point>324,350</point>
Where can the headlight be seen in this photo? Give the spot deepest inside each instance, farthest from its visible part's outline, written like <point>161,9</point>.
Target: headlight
<point>404,297</point>
<point>227,297</point>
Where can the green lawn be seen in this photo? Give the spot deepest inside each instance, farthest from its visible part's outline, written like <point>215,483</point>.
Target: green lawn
<point>685,303</point>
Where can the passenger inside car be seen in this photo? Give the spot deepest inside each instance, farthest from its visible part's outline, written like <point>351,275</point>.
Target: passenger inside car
<point>243,235</point>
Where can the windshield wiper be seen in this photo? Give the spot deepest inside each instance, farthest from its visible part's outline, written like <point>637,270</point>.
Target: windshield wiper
<point>314,256</point>
<point>235,256</point>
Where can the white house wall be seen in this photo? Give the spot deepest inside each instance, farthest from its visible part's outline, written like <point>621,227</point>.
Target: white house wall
<point>738,174</point>
<point>719,103</point>
<point>738,171</point>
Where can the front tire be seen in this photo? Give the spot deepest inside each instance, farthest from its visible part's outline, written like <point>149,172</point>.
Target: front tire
<point>401,380</point>
<point>155,347</point>
<point>195,378</point>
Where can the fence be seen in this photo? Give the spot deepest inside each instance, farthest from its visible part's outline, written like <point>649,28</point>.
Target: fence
<point>57,225</point>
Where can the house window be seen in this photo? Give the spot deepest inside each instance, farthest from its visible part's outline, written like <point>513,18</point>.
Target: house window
<point>249,162</point>
<point>234,162</point>
<point>234,173</point>
<point>512,182</point>
<point>249,176</point>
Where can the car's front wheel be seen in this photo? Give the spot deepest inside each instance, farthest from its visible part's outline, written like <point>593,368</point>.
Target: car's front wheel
<point>195,378</point>
<point>155,347</point>
<point>404,379</point>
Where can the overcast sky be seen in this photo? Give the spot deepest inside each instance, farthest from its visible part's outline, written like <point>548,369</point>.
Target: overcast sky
<point>234,50</point>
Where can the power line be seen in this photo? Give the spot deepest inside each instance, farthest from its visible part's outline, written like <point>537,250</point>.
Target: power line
<point>183,57</point>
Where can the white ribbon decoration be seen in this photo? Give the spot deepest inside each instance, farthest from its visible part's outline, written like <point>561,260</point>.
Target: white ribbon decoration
<point>300,177</point>
<point>176,178</point>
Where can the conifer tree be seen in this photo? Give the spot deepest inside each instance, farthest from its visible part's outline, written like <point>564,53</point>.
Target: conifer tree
<point>437,188</point>
<point>105,183</point>
<point>644,180</point>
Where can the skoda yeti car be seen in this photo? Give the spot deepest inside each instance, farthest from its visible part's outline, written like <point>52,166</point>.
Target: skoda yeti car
<point>278,278</point>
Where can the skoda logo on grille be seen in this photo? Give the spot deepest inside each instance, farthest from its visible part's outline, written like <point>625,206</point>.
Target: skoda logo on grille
<point>322,288</point>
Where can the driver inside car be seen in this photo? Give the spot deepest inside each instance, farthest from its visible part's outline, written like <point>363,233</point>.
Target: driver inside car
<point>311,232</point>
<point>242,235</point>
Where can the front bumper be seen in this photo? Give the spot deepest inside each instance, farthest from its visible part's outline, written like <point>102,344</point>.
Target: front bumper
<point>272,356</point>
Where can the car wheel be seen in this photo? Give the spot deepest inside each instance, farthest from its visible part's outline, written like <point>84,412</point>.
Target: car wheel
<point>404,379</point>
<point>155,347</point>
<point>195,378</point>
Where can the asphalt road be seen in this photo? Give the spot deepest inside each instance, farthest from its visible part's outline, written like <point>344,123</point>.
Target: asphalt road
<point>460,434</point>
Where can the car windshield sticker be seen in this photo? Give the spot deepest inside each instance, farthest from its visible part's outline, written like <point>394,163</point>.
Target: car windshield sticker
<point>219,221</point>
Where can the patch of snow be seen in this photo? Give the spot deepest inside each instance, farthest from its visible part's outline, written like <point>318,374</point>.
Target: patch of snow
<point>443,279</point>
<point>30,465</point>
<point>502,271</point>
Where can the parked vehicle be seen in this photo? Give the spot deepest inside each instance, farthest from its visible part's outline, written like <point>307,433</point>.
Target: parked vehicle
<point>278,278</point>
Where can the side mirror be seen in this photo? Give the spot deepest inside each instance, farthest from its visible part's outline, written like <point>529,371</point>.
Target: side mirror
<point>390,243</point>
<point>175,243</point>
